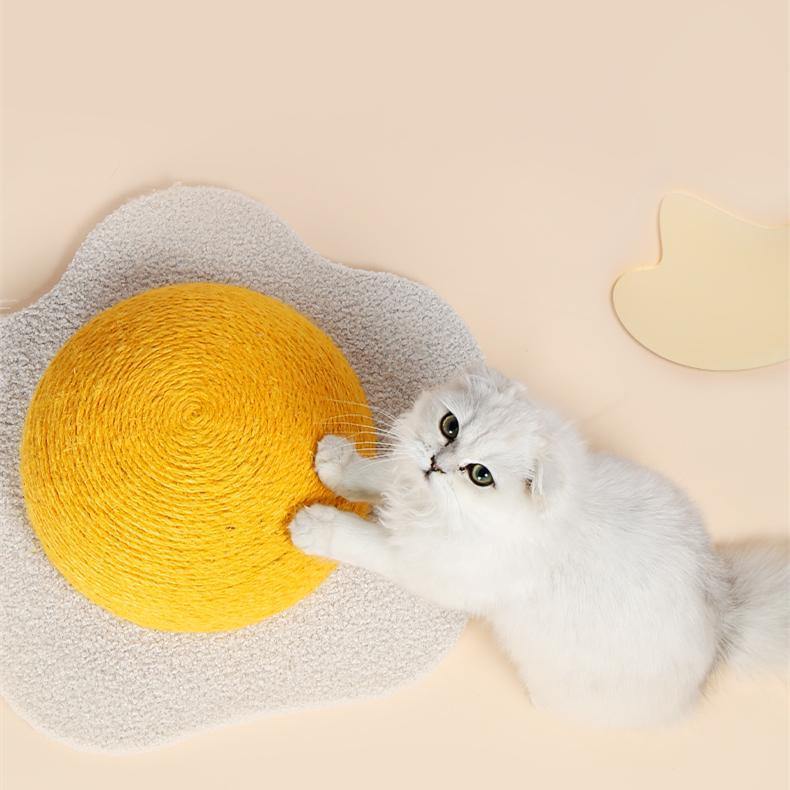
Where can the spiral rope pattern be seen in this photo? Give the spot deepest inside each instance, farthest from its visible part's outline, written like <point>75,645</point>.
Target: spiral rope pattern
<point>168,444</point>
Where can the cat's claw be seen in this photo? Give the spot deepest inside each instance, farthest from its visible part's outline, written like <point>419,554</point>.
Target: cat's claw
<point>332,457</point>
<point>311,529</point>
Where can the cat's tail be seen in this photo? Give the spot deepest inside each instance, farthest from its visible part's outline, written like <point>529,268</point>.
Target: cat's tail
<point>757,607</point>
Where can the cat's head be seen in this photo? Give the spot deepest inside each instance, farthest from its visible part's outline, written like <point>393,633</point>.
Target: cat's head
<point>480,448</point>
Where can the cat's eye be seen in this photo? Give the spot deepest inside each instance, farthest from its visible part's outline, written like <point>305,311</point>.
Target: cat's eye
<point>479,475</point>
<point>449,426</point>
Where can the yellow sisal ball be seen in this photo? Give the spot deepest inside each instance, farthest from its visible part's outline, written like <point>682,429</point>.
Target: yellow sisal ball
<point>169,443</point>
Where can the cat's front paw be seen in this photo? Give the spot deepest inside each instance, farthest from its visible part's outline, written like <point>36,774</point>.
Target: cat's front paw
<point>311,529</point>
<point>332,457</point>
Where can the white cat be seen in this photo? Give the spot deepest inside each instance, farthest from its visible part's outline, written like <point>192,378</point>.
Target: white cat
<point>597,574</point>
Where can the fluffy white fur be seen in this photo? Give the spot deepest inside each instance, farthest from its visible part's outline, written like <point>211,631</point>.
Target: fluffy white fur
<point>597,574</point>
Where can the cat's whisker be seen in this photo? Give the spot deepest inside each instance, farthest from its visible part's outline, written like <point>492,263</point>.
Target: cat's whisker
<point>339,424</point>
<point>363,405</point>
<point>337,417</point>
<point>342,428</point>
<point>369,430</point>
<point>378,428</point>
<point>346,414</point>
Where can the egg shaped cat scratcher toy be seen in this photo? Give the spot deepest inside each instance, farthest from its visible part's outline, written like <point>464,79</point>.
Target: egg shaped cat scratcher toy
<point>138,412</point>
<point>169,443</point>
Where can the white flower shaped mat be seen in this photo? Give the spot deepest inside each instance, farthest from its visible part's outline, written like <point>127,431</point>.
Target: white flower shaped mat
<point>96,681</point>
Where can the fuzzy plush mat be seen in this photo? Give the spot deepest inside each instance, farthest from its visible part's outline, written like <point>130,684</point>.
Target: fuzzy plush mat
<point>98,682</point>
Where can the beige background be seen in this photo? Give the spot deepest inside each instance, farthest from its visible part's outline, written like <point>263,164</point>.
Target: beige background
<point>510,155</point>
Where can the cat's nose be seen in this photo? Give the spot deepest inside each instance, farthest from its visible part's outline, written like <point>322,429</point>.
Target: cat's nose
<point>434,466</point>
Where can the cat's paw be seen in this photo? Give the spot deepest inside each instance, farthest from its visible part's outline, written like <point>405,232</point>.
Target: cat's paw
<point>332,458</point>
<point>311,529</point>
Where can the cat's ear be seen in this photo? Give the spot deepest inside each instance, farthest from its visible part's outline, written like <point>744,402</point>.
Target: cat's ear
<point>553,466</point>
<point>504,384</point>
<point>494,378</point>
<point>547,479</point>
<point>499,380</point>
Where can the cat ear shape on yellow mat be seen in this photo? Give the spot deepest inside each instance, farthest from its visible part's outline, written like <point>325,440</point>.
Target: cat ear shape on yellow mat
<point>718,297</point>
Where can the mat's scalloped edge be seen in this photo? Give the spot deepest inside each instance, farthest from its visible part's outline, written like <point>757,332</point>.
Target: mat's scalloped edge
<point>179,185</point>
<point>239,720</point>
